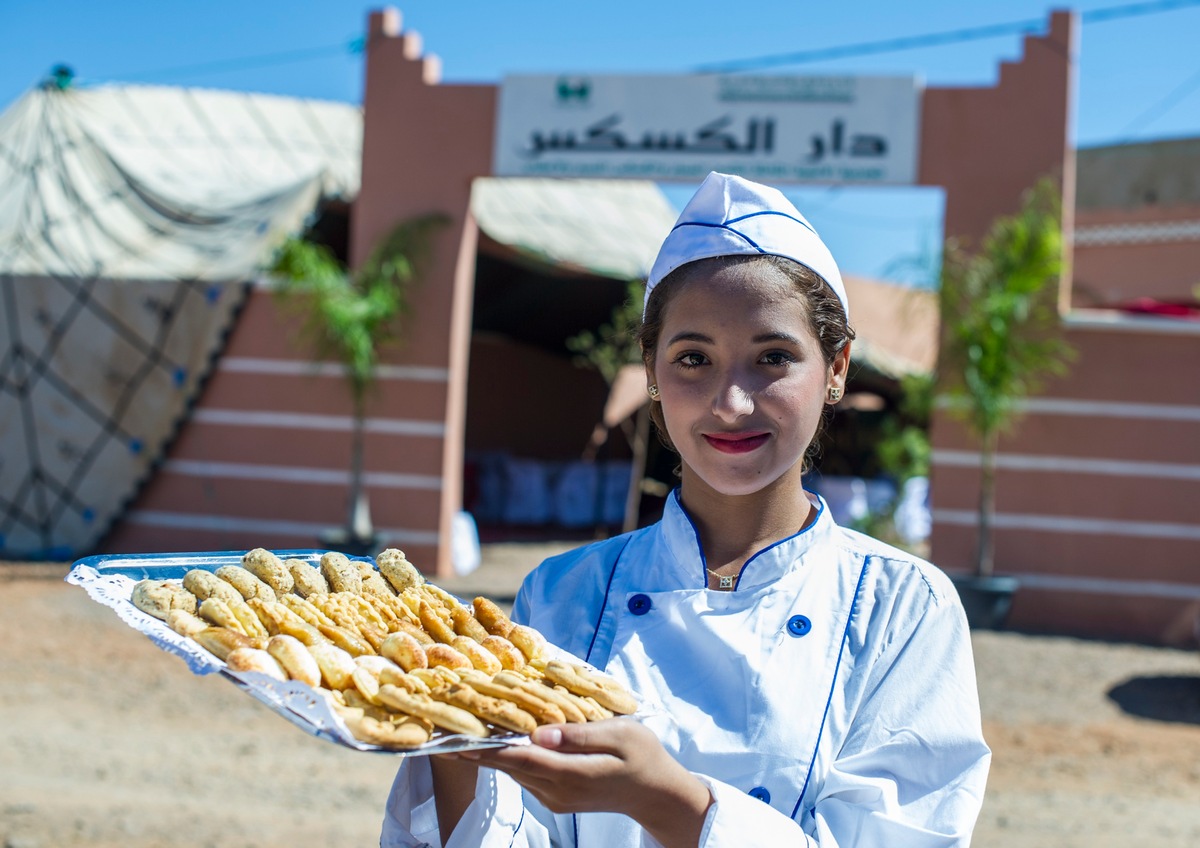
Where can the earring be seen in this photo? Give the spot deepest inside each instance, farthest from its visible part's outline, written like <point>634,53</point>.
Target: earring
<point>835,394</point>
<point>652,391</point>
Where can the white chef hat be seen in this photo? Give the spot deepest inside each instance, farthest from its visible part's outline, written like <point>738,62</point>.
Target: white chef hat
<point>729,216</point>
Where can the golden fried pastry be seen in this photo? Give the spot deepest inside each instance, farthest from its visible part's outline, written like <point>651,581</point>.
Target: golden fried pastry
<point>480,657</point>
<point>366,683</point>
<point>528,641</point>
<point>435,677</point>
<point>255,659</point>
<point>306,579</point>
<point>159,597</point>
<point>277,618</point>
<point>542,710</point>
<point>579,680</point>
<point>407,682</point>
<point>337,666</point>
<point>444,655</point>
<point>217,611</point>
<point>402,734</point>
<point>571,709</point>
<point>297,662</point>
<point>346,639</point>
<point>361,706</point>
<point>185,623</point>
<point>492,618</point>
<point>413,630</point>
<point>248,619</point>
<point>245,582</point>
<point>404,650</point>
<point>435,626</point>
<point>221,641</point>
<point>397,570</point>
<point>495,711</point>
<point>341,574</point>
<point>269,569</point>
<point>306,609</point>
<point>505,651</point>
<point>204,585</point>
<point>447,716</point>
<point>464,623</point>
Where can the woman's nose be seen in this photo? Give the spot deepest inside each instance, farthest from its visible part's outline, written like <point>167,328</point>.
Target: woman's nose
<point>732,399</point>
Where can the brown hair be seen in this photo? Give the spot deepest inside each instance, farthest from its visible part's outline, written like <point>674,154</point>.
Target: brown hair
<point>826,318</point>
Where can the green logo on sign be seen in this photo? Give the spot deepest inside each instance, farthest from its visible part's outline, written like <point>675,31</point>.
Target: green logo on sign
<point>576,90</point>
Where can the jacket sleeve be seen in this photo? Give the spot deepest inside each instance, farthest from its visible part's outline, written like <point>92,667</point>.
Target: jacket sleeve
<point>912,770</point>
<point>497,818</point>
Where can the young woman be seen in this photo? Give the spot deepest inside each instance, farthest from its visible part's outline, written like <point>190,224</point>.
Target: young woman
<point>802,684</point>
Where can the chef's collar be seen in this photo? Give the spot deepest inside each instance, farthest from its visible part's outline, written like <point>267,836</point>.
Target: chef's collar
<point>686,557</point>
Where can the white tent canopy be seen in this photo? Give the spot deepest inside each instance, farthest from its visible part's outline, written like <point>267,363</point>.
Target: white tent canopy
<point>131,218</point>
<point>155,183</point>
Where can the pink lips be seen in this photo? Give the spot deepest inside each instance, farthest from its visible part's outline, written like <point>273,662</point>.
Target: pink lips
<point>736,442</point>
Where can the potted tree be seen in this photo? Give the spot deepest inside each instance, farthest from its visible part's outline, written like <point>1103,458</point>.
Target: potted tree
<point>350,317</point>
<point>1000,340</point>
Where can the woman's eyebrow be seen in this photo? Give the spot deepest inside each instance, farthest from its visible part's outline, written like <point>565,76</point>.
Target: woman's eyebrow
<point>690,336</point>
<point>761,338</point>
<point>776,337</point>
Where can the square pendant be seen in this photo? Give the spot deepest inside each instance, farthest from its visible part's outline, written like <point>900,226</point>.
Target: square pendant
<point>726,582</point>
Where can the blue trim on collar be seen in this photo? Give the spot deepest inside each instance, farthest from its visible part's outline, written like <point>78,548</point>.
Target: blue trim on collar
<point>604,606</point>
<point>810,526</point>
<point>704,558</point>
<point>517,829</point>
<point>833,684</point>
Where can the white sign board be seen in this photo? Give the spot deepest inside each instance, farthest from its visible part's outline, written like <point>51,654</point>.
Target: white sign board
<point>774,129</point>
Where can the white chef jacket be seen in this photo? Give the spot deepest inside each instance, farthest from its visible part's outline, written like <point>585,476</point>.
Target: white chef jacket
<point>829,699</point>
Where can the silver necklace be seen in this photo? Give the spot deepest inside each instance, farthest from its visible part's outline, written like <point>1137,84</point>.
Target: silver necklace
<point>726,580</point>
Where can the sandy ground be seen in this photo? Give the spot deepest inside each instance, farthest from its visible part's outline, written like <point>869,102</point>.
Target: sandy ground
<point>107,741</point>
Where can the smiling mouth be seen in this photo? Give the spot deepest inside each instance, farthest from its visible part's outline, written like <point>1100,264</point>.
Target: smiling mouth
<point>737,442</point>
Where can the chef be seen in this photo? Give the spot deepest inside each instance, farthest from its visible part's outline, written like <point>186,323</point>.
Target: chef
<point>801,684</point>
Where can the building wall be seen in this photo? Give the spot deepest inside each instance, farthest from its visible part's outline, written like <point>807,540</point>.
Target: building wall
<point>264,459</point>
<point>1096,488</point>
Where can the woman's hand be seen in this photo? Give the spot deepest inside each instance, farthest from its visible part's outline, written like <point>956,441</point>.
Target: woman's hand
<point>614,766</point>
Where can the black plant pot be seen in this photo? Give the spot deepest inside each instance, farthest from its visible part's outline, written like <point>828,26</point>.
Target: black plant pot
<point>987,600</point>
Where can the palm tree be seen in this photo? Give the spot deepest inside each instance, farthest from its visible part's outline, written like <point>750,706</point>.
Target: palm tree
<point>1001,335</point>
<point>350,318</point>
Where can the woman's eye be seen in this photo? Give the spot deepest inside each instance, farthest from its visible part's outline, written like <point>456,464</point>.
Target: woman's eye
<point>777,357</point>
<point>690,360</point>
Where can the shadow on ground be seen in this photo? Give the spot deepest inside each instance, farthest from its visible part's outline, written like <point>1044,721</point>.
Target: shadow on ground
<point>1174,698</point>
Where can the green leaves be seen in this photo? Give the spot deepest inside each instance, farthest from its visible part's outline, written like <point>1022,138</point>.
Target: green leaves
<point>615,344</point>
<point>999,319</point>
<point>350,317</point>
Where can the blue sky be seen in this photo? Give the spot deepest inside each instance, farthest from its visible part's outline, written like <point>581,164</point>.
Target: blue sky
<point>1138,76</point>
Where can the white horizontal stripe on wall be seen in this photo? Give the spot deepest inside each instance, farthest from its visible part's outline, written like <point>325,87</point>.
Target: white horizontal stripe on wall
<point>1071,464</point>
<point>302,368</point>
<point>291,474</point>
<point>304,421</point>
<point>1100,408</point>
<point>1136,233</point>
<point>1098,586</point>
<point>1111,320</point>
<point>1069,524</point>
<point>305,529</point>
<point>1112,409</point>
